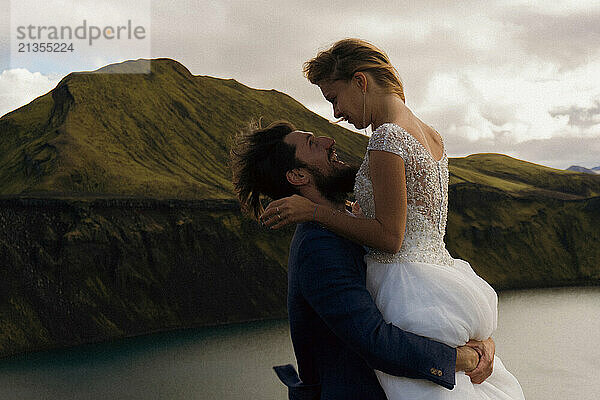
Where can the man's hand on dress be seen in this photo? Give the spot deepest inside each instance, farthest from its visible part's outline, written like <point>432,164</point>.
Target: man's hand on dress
<point>467,358</point>
<point>486,350</point>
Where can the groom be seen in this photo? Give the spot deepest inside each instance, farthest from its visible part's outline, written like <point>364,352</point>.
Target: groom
<point>339,335</point>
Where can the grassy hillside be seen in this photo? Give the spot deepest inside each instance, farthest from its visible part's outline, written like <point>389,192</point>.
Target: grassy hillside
<point>524,225</point>
<point>80,271</point>
<point>529,241</point>
<point>162,134</point>
<point>520,178</point>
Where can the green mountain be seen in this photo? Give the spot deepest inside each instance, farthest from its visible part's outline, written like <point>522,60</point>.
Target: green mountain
<point>162,134</point>
<point>117,215</point>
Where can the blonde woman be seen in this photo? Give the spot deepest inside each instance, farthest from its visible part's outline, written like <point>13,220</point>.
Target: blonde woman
<point>402,190</point>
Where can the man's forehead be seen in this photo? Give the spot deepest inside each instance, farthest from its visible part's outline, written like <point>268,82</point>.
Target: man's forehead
<point>304,133</point>
<point>297,137</point>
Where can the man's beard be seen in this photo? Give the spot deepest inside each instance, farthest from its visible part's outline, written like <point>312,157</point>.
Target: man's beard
<point>336,185</point>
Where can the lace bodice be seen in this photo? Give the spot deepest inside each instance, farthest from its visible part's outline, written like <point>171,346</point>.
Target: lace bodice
<point>427,197</point>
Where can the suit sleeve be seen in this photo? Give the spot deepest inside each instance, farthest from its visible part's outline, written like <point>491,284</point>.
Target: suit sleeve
<point>335,287</point>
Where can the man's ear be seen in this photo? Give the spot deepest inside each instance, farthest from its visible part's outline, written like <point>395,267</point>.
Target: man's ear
<point>297,176</point>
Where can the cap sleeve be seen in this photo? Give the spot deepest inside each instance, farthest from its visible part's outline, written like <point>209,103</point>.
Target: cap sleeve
<point>390,138</point>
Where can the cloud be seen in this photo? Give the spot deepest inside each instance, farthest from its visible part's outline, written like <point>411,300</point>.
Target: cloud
<point>580,116</point>
<point>524,102</point>
<point>567,39</point>
<point>19,87</point>
<point>561,152</point>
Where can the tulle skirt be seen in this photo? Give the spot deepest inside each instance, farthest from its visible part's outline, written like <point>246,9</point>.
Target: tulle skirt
<point>450,304</point>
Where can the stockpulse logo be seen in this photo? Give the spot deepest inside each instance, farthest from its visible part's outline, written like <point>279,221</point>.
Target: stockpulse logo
<point>84,31</point>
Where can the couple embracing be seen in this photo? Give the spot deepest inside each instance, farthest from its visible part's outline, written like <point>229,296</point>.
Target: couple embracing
<point>377,306</point>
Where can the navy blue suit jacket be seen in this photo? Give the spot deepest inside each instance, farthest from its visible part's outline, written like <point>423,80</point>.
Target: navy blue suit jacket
<point>339,335</point>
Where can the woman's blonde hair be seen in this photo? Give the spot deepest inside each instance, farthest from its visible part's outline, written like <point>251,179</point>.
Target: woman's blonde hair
<point>348,56</point>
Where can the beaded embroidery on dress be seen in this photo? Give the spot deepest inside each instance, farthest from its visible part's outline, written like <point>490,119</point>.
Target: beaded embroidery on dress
<point>427,201</point>
<point>422,289</point>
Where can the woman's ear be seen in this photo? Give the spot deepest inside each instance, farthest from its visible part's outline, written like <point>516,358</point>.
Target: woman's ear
<point>361,80</point>
<point>297,176</point>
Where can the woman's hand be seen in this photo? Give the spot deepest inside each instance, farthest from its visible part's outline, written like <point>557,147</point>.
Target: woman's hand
<point>288,210</point>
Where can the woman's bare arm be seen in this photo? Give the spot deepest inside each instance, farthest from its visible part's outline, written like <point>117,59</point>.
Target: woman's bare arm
<point>384,232</point>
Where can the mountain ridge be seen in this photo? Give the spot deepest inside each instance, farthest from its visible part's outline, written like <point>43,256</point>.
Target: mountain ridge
<point>166,134</point>
<point>577,168</point>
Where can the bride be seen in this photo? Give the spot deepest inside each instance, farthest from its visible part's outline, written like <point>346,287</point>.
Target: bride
<point>402,190</point>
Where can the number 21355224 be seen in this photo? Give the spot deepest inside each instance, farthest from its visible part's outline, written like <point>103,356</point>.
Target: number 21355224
<point>36,47</point>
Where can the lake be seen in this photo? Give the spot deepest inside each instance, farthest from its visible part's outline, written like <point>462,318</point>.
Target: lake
<point>547,338</point>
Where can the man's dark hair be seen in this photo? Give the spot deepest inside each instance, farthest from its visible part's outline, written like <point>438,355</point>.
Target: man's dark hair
<point>259,161</point>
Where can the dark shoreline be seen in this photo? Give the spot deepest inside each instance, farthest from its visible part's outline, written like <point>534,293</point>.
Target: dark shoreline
<point>137,336</point>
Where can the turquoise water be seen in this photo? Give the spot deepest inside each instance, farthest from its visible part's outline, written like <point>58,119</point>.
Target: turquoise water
<point>547,338</point>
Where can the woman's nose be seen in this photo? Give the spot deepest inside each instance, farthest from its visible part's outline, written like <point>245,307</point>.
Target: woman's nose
<point>336,112</point>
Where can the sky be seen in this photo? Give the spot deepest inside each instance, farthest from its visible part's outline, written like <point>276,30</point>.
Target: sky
<point>515,77</point>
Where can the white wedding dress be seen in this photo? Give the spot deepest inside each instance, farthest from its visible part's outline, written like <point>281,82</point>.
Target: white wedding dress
<point>422,289</point>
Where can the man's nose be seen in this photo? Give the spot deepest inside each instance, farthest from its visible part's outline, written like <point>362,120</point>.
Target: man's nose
<point>326,142</point>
